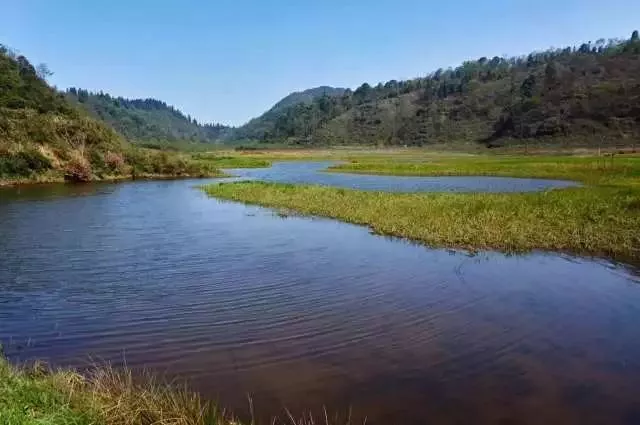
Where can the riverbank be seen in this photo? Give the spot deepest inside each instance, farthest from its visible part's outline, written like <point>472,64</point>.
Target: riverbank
<point>601,219</point>
<point>36,395</point>
<point>207,165</point>
<point>46,179</point>
<point>102,395</point>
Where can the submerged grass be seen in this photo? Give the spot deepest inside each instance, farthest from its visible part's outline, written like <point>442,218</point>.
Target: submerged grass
<point>36,395</point>
<point>602,218</point>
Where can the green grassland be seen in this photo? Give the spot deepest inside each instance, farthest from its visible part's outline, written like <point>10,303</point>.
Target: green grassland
<point>601,218</point>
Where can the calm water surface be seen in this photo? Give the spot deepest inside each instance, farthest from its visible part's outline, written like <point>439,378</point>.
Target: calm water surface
<point>307,172</point>
<point>306,312</point>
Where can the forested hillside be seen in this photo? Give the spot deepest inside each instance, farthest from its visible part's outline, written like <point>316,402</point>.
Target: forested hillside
<point>589,94</point>
<point>41,132</point>
<point>269,125</point>
<point>146,120</point>
<point>44,137</point>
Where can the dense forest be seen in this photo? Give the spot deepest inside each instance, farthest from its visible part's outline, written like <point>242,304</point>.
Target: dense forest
<point>146,120</point>
<point>589,93</point>
<point>268,124</point>
<point>45,137</point>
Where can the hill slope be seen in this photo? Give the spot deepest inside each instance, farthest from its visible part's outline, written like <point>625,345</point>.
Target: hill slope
<point>146,120</point>
<point>307,96</point>
<point>44,137</point>
<point>40,132</point>
<point>589,94</point>
<point>266,125</point>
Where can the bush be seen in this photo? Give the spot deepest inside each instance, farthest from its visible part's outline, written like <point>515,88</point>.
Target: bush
<point>78,169</point>
<point>114,162</point>
<point>23,163</point>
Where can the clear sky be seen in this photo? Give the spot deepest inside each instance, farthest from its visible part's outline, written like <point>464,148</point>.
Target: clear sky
<point>229,60</point>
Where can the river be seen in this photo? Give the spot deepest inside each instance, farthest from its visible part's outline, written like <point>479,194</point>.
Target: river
<point>304,312</point>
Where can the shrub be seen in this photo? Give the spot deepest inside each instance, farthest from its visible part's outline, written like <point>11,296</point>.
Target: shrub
<point>114,162</point>
<point>23,163</point>
<point>78,169</point>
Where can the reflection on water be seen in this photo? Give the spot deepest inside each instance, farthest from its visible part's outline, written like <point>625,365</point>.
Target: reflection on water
<point>312,173</point>
<point>37,192</point>
<point>310,312</point>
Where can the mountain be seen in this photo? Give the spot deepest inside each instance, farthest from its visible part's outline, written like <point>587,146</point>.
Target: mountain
<point>146,120</point>
<point>588,94</point>
<point>263,126</point>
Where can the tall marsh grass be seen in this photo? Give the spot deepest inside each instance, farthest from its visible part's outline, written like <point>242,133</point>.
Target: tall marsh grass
<point>103,395</point>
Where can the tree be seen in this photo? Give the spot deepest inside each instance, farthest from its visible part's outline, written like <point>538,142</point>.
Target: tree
<point>43,71</point>
<point>528,86</point>
<point>550,75</point>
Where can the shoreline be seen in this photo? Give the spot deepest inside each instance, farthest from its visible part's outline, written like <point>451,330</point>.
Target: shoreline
<point>7,183</point>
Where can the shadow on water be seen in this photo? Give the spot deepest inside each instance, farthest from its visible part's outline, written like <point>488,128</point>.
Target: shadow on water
<point>45,191</point>
<point>310,312</point>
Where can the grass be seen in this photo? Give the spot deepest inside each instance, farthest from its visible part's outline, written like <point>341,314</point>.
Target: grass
<point>602,218</point>
<point>622,170</point>
<point>37,395</point>
<point>231,161</point>
<point>103,396</point>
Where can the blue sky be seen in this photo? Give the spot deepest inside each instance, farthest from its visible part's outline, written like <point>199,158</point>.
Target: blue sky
<point>229,60</point>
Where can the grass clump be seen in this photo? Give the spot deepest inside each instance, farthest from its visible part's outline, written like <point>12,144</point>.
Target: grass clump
<point>602,218</point>
<point>34,397</point>
<point>37,395</point>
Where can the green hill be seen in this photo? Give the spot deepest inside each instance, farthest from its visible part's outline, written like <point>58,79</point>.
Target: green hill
<point>45,137</point>
<point>268,125</point>
<point>587,95</point>
<point>146,120</point>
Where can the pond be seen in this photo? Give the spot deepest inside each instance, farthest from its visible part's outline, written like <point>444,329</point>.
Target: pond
<point>304,313</point>
<point>312,172</point>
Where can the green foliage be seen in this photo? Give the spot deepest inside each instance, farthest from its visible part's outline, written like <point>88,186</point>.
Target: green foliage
<point>22,88</point>
<point>296,110</point>
<point>23,163</point>
<point>551,94</point>
<point>31,398</point>
<point>45,137</point>
<point>149,163</point>
<point>146,120</point>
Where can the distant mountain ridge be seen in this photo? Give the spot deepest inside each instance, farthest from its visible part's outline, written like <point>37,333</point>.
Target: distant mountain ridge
<point>146,120</point>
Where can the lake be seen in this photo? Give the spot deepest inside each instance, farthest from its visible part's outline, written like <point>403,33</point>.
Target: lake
<point>304,313</point>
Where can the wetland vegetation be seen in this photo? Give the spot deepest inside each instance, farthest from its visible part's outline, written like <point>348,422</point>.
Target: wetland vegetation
<point>37,395</point>
<point>600,218</point>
